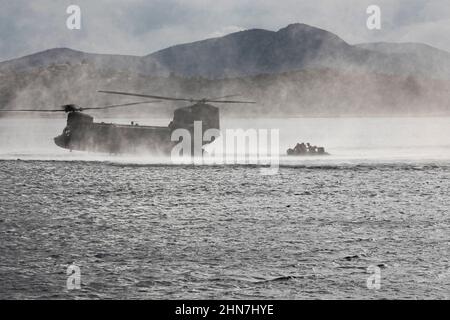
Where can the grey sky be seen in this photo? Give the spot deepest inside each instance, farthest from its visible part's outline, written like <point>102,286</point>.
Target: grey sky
<point>140,27</point>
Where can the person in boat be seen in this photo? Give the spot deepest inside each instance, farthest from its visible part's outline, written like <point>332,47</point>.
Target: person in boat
<point>303,148</point>
<point>300,148</point>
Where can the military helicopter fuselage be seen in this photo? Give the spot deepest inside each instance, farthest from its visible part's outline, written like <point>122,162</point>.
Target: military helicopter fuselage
<point>83,134</point>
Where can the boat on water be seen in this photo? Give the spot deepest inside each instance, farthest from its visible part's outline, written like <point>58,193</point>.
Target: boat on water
<point>306,149</point>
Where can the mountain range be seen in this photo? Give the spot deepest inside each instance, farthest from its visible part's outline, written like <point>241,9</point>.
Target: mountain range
<point>297,70</point>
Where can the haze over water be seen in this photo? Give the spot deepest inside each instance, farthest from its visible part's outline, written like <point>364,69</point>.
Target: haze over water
<point>140,227</point>
<point>354,140</point>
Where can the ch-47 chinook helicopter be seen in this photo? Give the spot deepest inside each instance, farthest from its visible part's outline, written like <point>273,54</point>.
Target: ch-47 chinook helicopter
<point>83,134</point>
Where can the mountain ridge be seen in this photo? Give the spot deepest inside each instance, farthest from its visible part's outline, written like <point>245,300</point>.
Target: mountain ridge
<point>298,69</point>
<point>258,51</point>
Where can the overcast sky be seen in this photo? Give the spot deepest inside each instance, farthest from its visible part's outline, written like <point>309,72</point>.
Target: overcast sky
<point>139,27</point>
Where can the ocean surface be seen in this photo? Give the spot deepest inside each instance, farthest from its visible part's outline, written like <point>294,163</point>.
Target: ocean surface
<point>144,228</point>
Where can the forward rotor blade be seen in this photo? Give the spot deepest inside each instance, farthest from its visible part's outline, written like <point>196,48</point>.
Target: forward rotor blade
<point>25,110</point>
<point>146,96</point>
<point>119,105</point>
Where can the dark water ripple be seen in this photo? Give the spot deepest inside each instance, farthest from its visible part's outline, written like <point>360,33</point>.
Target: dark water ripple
<point>158,232</point>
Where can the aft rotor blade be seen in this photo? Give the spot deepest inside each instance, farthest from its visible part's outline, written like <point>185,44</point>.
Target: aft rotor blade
<point>119,105</point>
<point>25,110</point>
<point>146,96</point>
<point>171,99</point>
<point>230,101</point>
<point>224,97</point>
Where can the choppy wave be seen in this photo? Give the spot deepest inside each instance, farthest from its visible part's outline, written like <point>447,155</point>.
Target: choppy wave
<point>163,231</point>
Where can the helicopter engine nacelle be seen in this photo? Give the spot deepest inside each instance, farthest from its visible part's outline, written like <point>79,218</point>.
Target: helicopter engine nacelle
<point>184,118</point>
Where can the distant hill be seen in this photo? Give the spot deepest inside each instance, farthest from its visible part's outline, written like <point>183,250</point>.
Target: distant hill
<point>298,70</point>
<point>65,56</point>
<point>252,52</point>
<point>298,47</point>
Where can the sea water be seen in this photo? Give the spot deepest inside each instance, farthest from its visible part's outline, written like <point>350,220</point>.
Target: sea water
<point>142,227</point>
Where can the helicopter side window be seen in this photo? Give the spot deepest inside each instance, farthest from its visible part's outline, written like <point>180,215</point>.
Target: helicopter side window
<point>66,131</point>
